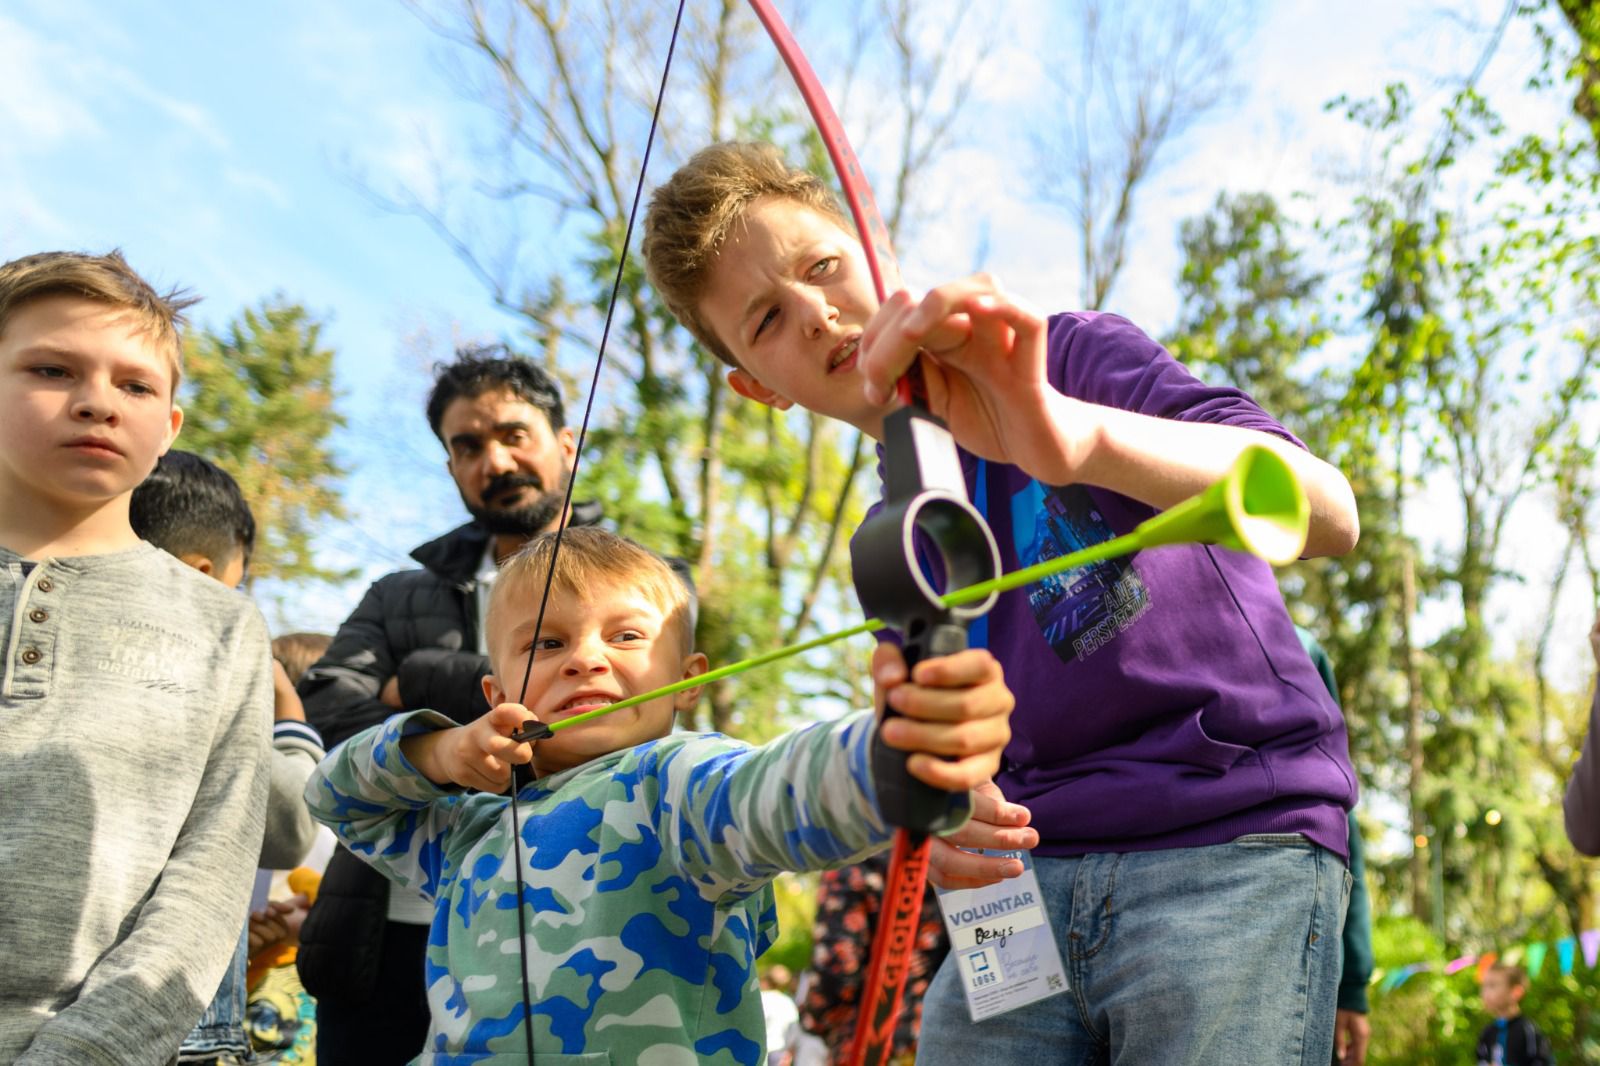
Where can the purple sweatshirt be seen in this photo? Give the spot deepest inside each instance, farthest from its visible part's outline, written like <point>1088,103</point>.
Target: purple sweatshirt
<point>1163,699</point>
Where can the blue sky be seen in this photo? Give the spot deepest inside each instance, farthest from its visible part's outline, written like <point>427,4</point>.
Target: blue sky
<point>225,147</point>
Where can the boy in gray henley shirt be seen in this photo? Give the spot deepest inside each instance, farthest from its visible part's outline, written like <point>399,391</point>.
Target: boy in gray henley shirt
<point>135,693</point>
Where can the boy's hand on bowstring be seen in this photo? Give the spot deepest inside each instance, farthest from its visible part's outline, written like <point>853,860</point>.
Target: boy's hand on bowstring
<point>956,715</point>
<point>477,755</point>
<point>983,368</point>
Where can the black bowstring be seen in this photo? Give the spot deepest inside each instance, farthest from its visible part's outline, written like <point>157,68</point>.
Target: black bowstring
<point>566,509</point>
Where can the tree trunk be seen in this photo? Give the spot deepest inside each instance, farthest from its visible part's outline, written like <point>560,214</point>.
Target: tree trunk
<point>1420,908</point>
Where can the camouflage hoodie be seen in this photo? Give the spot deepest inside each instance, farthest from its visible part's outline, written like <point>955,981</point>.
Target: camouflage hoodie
<point>645,876</point>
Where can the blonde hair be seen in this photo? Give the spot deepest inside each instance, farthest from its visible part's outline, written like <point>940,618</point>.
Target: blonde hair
<point>691,214</point>
<point>105,279</point>
<point>591,557</point>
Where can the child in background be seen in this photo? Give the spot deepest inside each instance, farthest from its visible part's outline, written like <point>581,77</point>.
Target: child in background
<point>647,855</point>
<point>1511,1039</point>
<point>280,1015</point>
<point>193,509</point>
<point>135,696</point>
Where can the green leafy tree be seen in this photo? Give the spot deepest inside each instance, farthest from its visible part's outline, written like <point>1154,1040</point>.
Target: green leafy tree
<point>258,400</point>
<point>1472,372</point>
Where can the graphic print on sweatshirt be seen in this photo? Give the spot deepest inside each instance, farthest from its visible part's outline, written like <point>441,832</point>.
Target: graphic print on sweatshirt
<point>1083,609</point>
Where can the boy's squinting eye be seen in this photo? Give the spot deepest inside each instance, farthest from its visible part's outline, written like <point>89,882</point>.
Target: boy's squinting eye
<point>765,320</point>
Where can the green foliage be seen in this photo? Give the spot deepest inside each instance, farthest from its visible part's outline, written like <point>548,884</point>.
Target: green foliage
<point>796,896</point>
<point>258,400</point>
<point>1468,361</point>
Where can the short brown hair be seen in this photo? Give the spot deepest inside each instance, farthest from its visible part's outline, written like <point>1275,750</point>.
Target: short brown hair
<point>591,557</point>
<point>105,279</point>
<point>691,214</point>
<point>1516,977</point>
<point>298,652</point>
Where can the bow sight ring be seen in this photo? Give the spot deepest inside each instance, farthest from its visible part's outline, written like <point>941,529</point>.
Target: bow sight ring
<point>925,507</point>
<point>887,554</point>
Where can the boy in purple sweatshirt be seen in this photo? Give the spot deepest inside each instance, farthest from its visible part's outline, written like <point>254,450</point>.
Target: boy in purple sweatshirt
<point>1185,769</point>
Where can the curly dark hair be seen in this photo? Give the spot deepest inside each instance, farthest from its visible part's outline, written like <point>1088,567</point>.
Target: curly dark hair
<point>482,368</point>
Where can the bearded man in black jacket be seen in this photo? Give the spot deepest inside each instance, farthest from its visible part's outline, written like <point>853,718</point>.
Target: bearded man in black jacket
<point>416,640</point>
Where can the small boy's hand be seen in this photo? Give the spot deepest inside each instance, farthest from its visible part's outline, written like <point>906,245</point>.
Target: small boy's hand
<point>956,712</point>
<point>983,365</point>
<point>478,755</point>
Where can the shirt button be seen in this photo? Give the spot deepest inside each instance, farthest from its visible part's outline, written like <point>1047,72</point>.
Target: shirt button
<point>31,655</point>
<point>38,614</point>
<point>45,584</point>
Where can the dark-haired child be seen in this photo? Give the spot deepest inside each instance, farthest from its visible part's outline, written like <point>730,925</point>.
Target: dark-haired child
<point>193,509</point>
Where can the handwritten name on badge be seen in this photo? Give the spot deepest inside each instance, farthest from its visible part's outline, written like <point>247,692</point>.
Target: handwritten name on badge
<point>1001,941</point>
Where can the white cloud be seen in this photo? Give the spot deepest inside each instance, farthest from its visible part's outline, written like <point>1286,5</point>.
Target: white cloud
<point>41,103</point>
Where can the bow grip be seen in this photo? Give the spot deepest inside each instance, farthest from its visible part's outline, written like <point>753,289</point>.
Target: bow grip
<point>903,800</point>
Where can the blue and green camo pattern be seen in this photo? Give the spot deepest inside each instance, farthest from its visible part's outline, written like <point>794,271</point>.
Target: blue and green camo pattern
<point>646,875</point>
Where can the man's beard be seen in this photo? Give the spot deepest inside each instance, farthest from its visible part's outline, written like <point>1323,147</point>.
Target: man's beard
<point>527,519</point>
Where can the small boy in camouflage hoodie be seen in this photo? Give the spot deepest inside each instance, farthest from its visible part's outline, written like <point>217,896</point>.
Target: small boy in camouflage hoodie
<point>647,856</point>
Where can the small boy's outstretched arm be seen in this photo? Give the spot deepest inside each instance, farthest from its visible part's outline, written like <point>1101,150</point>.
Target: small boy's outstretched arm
<point>807,801</point>
<point>984,366</point>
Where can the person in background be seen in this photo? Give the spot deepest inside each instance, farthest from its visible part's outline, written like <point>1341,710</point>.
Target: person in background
<point>848,902</point>
<point>777,1006</point>
<point>1351,1030</point>
<point>194,510</point>
<point>417,640</point>
<point>1511,1039</point>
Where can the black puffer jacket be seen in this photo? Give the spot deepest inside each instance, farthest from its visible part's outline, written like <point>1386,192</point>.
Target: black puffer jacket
<point>422,627</point>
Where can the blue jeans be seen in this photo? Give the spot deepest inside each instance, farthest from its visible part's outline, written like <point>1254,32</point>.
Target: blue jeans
<point>220,1030</point>
<point>1186,957</point>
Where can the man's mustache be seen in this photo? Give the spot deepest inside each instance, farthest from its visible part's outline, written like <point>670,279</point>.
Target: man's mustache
<point>505,483</point>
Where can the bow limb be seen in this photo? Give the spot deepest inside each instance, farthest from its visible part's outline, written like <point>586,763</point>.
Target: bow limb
<point>857,192</point>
